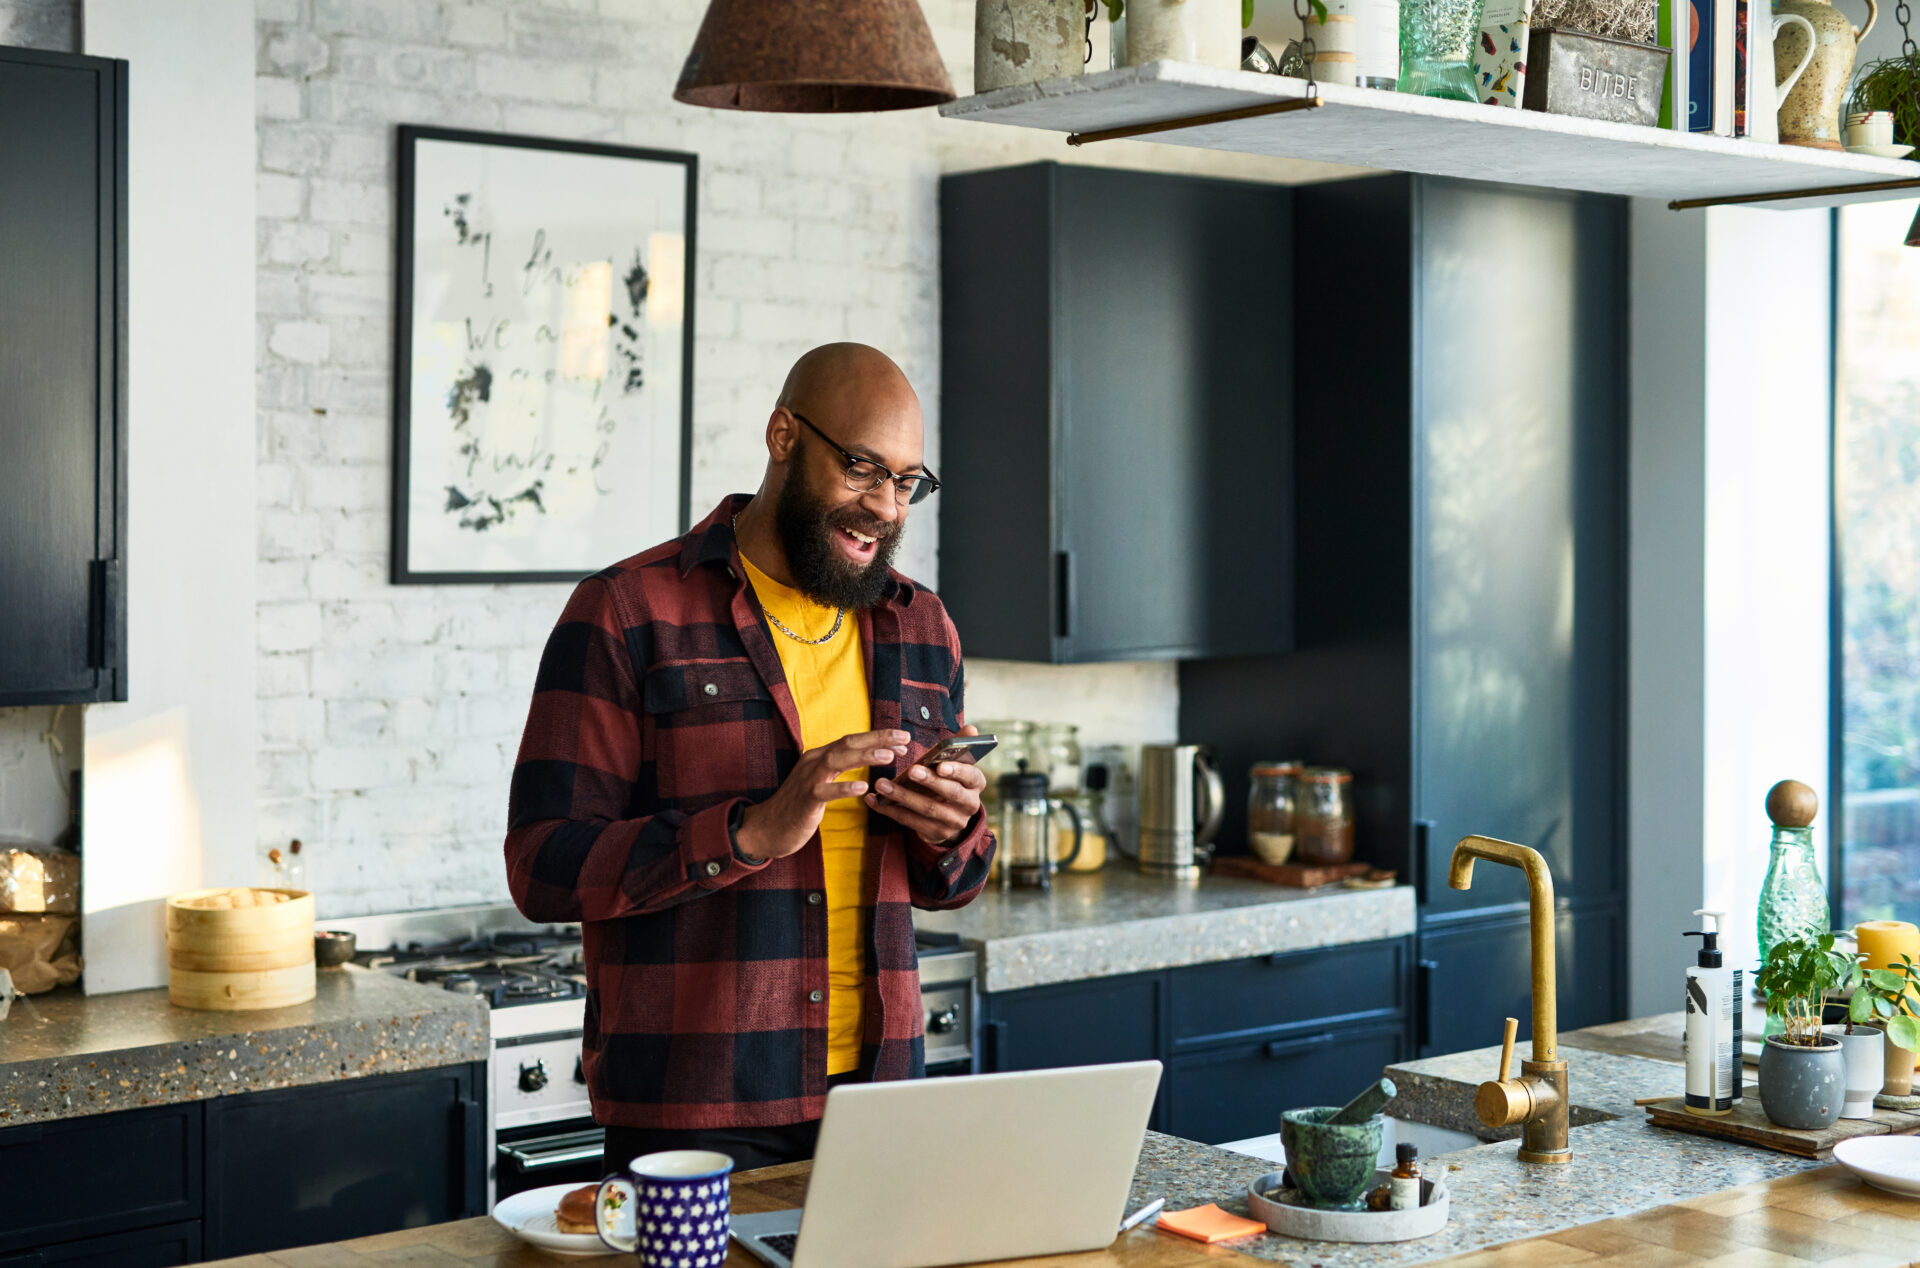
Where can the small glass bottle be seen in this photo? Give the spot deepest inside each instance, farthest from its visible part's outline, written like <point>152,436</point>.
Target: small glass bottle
<point>1323,816</point>
<point>1270,810</point>
<point>1404,1182</point>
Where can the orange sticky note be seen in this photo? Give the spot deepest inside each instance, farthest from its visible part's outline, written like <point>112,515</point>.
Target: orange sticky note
<point>1209,1224</point>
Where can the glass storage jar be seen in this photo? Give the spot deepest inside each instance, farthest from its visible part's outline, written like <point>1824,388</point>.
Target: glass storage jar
<point>1270,810</point>
<point>1323,815</point>
<point>1056,753</point>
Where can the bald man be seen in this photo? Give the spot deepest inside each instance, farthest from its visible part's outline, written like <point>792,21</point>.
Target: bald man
<point>720,779</point>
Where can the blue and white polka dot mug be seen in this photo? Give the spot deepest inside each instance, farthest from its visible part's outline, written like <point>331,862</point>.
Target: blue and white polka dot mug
<point>680,1201</point>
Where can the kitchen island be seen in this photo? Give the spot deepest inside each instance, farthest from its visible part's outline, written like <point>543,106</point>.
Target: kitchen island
<point>1633,1193</point>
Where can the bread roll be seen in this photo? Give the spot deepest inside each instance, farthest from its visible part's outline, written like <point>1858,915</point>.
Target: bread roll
<point>575,1212</point>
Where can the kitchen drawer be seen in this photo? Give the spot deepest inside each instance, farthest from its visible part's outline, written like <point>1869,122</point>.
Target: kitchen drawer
<point>99,1174</point>
<point>144,1248</point>
<point>1214,1002</point>
<point>1233,1093</point>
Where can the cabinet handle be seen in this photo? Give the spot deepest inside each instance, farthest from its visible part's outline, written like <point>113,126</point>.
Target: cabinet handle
<point>995,1034</point>
<point>1063,596</point>
<point>103,597</point>
<point>27,1135</point>
<point>1422,843</point>
<point>1423,987</point>
<point>1289,1047</point>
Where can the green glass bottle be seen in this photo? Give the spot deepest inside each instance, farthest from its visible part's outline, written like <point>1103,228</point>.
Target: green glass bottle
<point>1793,898</point>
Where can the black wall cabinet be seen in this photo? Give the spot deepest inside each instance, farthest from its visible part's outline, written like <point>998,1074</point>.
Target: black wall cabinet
<point>1241,1039</point>
<point>63,253</point>
<point>1461,600</point>
<point>1116,414</point>
<point>237,1174</point>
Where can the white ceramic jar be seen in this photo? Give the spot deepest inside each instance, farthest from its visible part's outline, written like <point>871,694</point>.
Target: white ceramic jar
<point>1203,31</point>
<point>1024,41</point>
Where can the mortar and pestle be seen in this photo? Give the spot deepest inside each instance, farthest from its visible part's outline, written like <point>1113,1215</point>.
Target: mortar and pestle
<point>1331,1153</point>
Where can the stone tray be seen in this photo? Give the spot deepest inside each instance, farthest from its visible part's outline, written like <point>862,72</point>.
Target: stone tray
<point>1315,1225</point>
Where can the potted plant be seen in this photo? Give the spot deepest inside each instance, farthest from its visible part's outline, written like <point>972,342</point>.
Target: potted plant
<point>1882,998</point>
<point>1184,30</point>
<point>1891,84</point>
<point>1802,1072</point>
<point>1862,1045</point>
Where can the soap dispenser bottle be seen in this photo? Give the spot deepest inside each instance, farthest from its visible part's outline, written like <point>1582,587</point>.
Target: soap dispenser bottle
<point>1714,1023</point>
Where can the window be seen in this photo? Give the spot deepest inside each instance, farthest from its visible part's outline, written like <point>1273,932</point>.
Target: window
<point>1877,574</point>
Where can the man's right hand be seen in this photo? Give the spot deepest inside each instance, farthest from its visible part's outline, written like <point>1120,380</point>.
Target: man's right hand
<point>786,821</point>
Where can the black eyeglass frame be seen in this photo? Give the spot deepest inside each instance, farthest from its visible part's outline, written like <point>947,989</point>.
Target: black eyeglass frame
<point>927,484</point>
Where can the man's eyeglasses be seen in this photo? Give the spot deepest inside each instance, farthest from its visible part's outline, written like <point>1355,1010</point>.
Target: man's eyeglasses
<point>864,475</point>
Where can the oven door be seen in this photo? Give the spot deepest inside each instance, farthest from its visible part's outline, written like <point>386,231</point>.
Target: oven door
<point>547,1153</point>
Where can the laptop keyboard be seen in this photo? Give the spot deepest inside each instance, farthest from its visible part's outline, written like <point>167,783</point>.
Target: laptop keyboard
<point>783,1243</point>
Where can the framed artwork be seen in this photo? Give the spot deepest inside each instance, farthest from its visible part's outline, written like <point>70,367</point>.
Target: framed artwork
<point>543,409</point>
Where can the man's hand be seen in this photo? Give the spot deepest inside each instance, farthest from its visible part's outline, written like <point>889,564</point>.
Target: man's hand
<point>935,805</point>
<point>786,821</point>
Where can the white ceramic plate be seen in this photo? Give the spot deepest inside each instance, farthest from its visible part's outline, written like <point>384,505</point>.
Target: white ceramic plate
<point>529,1216</point>
<point>1885,1162</point>
<point>1881,151</point>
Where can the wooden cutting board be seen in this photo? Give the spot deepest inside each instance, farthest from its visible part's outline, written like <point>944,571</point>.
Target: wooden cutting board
<point>1748,1125</point>
<point>1298,875</point>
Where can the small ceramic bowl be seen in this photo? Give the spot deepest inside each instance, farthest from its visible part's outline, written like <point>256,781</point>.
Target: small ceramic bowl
<point>332,948</point>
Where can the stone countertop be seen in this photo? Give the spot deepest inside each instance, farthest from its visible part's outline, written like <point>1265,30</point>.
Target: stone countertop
<point>1621,1164</point>
<point>1101,924</point>
<point>64,1054</point>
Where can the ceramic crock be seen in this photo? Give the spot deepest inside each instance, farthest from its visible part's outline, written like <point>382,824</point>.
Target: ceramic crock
<point>1800,1087</point>
<point>1810,113</point>
<point>1025,41</point>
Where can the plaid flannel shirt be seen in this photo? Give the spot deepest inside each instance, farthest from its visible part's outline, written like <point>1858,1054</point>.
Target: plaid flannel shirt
<point>659,711</point>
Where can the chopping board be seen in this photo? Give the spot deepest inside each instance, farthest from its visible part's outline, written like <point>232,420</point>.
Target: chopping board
<point>1748,1125</point>
<point>1298,875</point>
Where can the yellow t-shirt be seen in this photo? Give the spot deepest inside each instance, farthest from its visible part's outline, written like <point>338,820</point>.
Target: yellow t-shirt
<point>829,684</point>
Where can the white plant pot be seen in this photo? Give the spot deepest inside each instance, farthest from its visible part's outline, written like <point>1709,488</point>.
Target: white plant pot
<point>1025,41</point>
<point>1203,31</point>
<point>1865,1054</point>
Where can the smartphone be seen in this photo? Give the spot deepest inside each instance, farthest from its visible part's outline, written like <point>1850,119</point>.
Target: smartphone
<point>955,747</point>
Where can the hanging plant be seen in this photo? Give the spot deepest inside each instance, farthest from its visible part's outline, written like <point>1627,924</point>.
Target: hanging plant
<point>1117,7</point>
<point>1892,84</point>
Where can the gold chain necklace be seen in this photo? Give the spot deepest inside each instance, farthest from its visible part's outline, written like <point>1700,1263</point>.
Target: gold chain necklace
<point>839,616</point>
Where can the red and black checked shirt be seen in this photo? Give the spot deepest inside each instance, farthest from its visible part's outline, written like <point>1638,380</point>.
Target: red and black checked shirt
<point>660,708</point>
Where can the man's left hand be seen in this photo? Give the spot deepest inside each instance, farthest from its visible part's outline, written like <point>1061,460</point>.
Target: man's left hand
<point>935,805</point>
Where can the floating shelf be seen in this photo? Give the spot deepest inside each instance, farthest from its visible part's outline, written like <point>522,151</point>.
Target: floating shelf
<point>1364,127</point>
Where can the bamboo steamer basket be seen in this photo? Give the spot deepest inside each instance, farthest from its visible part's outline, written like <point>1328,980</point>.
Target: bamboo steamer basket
<point>231,959</point>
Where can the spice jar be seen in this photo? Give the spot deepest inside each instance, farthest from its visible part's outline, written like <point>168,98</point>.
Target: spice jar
<point>1323,815</point>
<point>1270,810</point>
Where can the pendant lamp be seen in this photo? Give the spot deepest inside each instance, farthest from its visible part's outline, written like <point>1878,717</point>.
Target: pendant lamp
<point>813,56</point>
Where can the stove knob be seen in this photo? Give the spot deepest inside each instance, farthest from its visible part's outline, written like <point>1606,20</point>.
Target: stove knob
<point>533,1077</point>
<point>579,1070</point>
<point>942,1022</point>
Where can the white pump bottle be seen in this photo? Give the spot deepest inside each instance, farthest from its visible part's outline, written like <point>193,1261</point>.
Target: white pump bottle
<point>1714,1023</point>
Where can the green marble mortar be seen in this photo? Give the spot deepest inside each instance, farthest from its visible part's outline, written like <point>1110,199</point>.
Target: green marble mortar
<point>1331,1164</point>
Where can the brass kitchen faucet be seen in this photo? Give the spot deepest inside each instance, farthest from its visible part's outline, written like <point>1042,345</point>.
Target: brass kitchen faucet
<point>1538,1098</point>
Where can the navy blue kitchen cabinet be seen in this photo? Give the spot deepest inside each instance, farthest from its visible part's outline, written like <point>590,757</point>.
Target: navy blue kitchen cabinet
<point>262,1171</point>
<point>63,493</point>
<point>1461,599</point>
<point>1116,414</point>
<point>1241,1039</point>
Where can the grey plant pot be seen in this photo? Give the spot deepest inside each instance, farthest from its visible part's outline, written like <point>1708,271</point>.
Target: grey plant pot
<point>1802,1088</point>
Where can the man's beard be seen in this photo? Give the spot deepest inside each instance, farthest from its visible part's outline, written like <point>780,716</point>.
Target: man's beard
<point>806,524</point>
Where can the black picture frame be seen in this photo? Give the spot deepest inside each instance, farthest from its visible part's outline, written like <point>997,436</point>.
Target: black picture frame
<point>410,137</point>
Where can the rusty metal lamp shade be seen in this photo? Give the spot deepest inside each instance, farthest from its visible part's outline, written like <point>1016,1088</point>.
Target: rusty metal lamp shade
<point>814,56</point>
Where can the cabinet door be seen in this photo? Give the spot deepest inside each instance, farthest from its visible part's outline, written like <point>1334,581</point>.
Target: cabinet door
<point>62,255</point>
<point>1476,972</point>
<point>324,1163</point>
<point>1237,1092</point>
<point>98,1174</point>
<point>1518,523</point>
<point>1079,1023</point>
<point>146,1248</point>
<point>1174,376</point>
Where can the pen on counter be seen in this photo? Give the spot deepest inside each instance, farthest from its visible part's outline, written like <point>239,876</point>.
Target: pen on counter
<point>1142,1215</point>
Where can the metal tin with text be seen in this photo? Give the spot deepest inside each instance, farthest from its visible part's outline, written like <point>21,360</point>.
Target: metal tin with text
<point>1593,77</point>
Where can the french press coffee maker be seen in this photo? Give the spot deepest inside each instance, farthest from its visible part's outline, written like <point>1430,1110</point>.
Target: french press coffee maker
<point>1025,829</point>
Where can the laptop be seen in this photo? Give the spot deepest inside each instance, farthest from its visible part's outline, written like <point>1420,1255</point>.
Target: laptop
<point>925,1172</point>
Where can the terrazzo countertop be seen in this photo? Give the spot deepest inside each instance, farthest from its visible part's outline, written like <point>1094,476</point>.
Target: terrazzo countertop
<point>1100,924</point>
<point>1621,1165</point>
<point>64,1054</point>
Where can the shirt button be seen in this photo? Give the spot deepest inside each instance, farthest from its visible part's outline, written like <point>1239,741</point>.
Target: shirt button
<point>925,713</point>
<point>814,997</point>
<point>713,869</point>
<point>814,898</point>
<point>711,689</point>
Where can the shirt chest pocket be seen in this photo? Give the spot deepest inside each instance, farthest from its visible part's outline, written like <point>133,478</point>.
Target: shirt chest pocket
<point>928,713</point>
<point>714,733</point>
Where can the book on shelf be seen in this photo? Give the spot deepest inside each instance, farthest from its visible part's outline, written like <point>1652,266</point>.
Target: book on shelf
<point>1724,16</point>
<point>1500,56</point>
<point>1744,20</point>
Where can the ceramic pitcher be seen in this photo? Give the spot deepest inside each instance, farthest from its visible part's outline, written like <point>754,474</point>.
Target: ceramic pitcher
<point>1810,113</point>
<point>1769,88</point>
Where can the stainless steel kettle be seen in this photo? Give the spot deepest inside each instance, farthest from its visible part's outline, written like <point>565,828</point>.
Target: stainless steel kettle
<point>1180,803</point>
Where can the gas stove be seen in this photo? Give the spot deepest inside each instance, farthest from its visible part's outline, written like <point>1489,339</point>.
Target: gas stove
<point>506,968</point>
